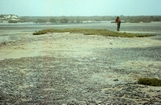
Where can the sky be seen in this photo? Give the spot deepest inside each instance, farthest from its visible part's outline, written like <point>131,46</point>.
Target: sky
<point>80,7</point>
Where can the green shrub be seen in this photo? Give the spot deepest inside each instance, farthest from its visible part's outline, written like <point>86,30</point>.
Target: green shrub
<point>40,21</point>
<point>53,20</point>
<point>40,32</point>
<point>150,81</point>
<point>64,20</point>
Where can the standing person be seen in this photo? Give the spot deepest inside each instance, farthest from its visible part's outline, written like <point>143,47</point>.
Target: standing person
<point>118,21</point>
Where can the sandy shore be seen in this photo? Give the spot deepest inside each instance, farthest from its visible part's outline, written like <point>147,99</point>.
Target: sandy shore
<point>64,68</point>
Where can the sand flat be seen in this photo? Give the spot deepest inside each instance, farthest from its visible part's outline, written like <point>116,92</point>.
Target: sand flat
<point>80,66</point>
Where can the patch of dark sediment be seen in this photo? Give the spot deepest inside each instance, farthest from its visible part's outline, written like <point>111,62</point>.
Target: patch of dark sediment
<point>124,54</point>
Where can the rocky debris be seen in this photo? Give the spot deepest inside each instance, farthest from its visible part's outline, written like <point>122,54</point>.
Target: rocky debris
<point>50,80</point>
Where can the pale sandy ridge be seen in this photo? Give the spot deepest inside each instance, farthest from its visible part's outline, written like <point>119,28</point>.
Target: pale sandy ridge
<point>75,43</point>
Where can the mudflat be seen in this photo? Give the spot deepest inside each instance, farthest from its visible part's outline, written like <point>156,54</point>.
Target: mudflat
<point>67,69</point>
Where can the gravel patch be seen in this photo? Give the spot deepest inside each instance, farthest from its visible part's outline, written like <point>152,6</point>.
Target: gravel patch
<point>49,80</point>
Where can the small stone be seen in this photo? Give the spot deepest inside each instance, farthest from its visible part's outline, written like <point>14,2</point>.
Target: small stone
<point>146,96</point>
<point>63,78</point>
<point>42,97</point>
<point>150,90</point>
<point>31,85</point>
<point>115,80</point>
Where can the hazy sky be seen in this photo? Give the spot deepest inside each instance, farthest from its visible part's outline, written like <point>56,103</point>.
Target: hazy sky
<point>80,7</point>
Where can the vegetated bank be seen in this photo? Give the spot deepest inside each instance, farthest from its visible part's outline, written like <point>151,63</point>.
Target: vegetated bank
<point>103,32</point>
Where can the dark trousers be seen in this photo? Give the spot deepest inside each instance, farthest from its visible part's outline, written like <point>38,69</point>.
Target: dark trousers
<point>118,26</point>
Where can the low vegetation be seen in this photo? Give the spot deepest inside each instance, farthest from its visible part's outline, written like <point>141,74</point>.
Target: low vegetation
<point>150,81</point>
<point>103,32</point>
